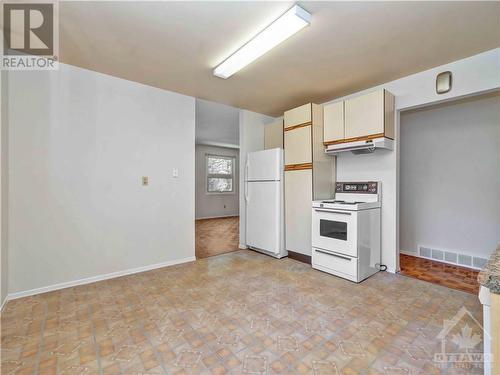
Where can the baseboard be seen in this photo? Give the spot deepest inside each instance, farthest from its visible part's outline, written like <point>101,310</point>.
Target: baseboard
<point>94,279</point>
<point>300,257</point>
<point>216,217</point>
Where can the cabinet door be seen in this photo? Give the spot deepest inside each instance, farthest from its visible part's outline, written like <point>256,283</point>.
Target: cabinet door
<point>273,135</point>
<point>298,147</point>
<point>333,122</point>
<point>298,116</point>
<point>298,211</point>
<point>364,115</point>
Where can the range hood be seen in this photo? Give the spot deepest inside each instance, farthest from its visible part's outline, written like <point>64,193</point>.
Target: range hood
<point>361,147</point>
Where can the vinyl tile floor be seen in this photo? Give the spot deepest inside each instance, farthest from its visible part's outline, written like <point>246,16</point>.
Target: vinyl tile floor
<point>240,313</point>
<point>217,236</point>
<point>454,277</point>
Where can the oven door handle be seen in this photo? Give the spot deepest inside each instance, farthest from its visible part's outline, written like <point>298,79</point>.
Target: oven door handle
<point>333,212</point>
<point>332,254</point>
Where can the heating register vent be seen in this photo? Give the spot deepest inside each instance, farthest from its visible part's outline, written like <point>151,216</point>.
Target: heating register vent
<point>452,257</point>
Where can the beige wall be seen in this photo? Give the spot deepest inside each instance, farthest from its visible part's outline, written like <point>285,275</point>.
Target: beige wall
<point>79,142</point>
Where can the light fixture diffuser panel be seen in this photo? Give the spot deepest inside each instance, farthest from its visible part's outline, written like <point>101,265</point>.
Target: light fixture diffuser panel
<point>292,21</point>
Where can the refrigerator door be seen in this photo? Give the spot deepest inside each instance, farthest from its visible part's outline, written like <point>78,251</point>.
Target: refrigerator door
<point>263,215</point>
<point>266,165</point>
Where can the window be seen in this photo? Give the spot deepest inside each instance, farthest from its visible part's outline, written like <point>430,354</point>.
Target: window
<point>220,174</point>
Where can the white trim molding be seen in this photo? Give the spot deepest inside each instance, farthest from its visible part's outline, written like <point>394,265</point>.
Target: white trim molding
<point>242,247</point>
<point>217,144</point>
<point>93,279</point>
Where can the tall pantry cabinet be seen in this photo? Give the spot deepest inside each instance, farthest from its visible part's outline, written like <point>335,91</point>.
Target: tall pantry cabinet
<point>309,175</point>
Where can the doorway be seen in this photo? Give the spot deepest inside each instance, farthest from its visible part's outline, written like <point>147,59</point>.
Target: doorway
<point>217,179</point>
<point>450,190</point>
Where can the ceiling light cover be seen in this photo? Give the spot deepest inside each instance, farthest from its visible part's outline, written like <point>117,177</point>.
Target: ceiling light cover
<point>294,20</point>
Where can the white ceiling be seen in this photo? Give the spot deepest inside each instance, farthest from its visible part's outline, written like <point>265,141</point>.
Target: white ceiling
<point>216,123</point>
<point>348,47</point>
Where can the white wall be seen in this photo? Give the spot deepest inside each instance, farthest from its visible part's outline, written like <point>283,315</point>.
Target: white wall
<point>251,139</point>
<point>450,177</point>
<point>3,188</point>
<point>79,142</point>
<point>215,205</point>
<point>471,75</point>
<point>216,123</point>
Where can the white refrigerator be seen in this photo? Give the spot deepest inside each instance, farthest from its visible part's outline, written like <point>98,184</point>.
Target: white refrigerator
<point>264,202</point>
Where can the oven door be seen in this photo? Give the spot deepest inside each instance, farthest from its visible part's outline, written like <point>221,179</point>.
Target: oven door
<point>334,230</point>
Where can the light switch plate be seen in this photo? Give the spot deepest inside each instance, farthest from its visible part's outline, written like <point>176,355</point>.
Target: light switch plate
<point>443,82</point>
<point>175,173</point>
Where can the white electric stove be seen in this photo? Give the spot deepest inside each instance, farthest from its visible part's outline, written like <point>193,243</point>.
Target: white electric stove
<point>346,231</point>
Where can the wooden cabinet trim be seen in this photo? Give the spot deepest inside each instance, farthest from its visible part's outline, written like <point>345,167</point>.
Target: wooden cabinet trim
<point>298,167</point>
<point>297,126</point>
<point>365,138</point>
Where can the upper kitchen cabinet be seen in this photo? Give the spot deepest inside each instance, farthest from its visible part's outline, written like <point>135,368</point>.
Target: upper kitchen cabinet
<point>367,115</point>
<point>273,135</point>
<point>298,146</point>
<point>363,117</point>
<point>298,116</point>
<point>333,118</point>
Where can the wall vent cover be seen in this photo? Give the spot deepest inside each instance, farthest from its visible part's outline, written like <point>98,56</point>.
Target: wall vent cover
<point>452,257</point>
<point>425,252</point>
<point>479,262</point>
<point>437,254</point>
<point>464,260</point>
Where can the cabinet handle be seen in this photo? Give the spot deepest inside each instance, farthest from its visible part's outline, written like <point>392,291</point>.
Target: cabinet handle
<point>332,254</point>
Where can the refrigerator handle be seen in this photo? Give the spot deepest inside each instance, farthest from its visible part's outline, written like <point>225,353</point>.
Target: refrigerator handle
<point>246,182</point>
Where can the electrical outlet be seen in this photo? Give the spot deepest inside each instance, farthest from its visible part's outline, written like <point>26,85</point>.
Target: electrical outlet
<point>175,173</point>
<point>145,180</point>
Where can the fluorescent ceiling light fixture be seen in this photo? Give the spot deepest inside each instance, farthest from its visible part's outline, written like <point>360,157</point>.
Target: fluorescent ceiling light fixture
<point>284,27</point>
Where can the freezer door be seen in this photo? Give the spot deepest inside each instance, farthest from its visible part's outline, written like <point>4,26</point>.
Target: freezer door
<point>263,229</point>
<point>264,165</point>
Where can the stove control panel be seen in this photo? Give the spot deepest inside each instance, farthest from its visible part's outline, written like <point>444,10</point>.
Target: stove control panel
<point>369,187</point>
